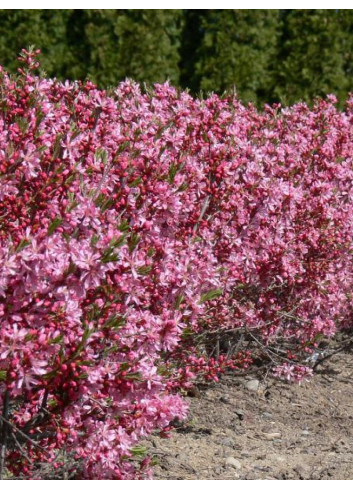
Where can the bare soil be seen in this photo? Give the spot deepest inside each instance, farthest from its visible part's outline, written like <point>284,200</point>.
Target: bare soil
<point>279,431</point>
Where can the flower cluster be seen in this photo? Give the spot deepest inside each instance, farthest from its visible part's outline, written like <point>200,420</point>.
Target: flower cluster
<point>292,373</point>
<point>132,225</point>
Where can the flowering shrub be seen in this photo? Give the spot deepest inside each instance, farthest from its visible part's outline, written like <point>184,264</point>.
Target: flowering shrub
<point>133,226</point>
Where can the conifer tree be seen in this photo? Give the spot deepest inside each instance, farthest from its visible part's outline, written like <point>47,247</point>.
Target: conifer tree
<point>45,29</point>
<point>266,55</point>
<point>345,19</point>
<point>191,41</point>
<point>312,59</point>
<point>139,44</point>
<point>237,50</point>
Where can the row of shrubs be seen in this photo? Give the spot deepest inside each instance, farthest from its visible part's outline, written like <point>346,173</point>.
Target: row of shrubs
<point>136,230</point>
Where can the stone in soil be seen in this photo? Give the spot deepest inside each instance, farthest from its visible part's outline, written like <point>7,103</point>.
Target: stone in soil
<point>233,462</point>
<point>272,436</point>
<point>253,385</point>
<point>227,442</point>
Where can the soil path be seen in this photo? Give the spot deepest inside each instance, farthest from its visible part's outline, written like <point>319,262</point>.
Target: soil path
<point>265,430</point>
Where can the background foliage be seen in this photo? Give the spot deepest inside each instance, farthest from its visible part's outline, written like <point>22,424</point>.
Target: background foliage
<point>267,55</point>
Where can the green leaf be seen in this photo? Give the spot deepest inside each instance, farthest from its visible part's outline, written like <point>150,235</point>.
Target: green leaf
<point>22,124</point>
<point>94,240</point>
<point>144,270</point>
<point>86,334</point>
<point>123,146</point>
<point>22,244</point>
<point>134,376</point>
<point>3,374</point>
<point>124,366</point>
<point>240,286</point>
<point>183,187</point>
<point>151,251</point>
<point>117,242</point>
<point>210,295</point>
<point>187,333</point>
<point>75,133</point>
<point>112,257</point>
<point>52,403</point>
<point>124,226</point>
<point>134,240</point>
<point>102,155</point>
<point>72,206</point>
<point>178,301</point>
<point>56,340</point>
<point>173,170</point>
<point>138,451</point>
<point>107,203</point>
<point>71,268</point>
<point>162,370</point>
<point>70,179</point>
<point>115,322</point>
<point>57,146</point>
<point>54,225</point>
<point>135,182</point>
<point>29,337</point>
<point>109,254</point>
<point>99,200</point>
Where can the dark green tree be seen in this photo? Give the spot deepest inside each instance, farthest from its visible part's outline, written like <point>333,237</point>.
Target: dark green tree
<point>266,55</point>
<point>45,29</point>
<point>139,44</point>
<point>311,60</point>
<point>107,45</point>
<point>102,65</point>
<point>191,40</point>
<point>345,19</point>
<point>237,50</point>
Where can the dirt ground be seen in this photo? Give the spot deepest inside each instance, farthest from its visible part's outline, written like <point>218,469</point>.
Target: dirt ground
<point>265,430</point>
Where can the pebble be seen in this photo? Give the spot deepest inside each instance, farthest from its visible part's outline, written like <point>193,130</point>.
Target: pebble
<point>240,414</point>
<point>253,385</point>
<point>278,441</point>
<point>267,415</point>
<point>233,462</point>
<point>305,433</point>
<point>227,442</point>
<point>272,436</point>
<point>225,399</point>
<point>245,455</point>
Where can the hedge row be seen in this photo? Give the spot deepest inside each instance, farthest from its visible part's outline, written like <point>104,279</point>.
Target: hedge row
<point>134,228</point>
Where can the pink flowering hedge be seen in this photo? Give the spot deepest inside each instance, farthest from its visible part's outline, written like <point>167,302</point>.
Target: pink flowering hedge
<point>133,226</point>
